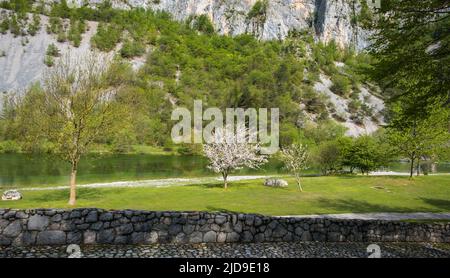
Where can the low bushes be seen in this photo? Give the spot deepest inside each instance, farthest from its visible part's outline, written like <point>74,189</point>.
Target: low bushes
<point>132,49</point>
<point>107,36</point>
<point>341,85</point>
<point>9,147</point>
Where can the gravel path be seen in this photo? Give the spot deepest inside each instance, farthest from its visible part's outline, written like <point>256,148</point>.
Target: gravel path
<point>254,250</point>
<point>149,183</point>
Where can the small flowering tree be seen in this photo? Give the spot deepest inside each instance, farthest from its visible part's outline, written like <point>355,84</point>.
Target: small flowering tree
<point>295,158</point>
<point>228,152</point>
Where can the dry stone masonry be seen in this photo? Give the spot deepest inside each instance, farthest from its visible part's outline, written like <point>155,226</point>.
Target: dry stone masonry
<point>96,226</point>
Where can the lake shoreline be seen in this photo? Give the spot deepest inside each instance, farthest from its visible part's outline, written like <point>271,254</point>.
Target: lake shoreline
<point>169,182</point>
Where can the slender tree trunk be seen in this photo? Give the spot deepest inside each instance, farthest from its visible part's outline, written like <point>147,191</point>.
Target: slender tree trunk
<point>418,166</point>
<point>73,185</point>
<point>411,168</point>
<point>413,155</point>
<point>299,184</point>
<point>225,182</point>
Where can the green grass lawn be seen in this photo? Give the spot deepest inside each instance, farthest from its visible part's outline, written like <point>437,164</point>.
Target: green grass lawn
<point>321,195</point>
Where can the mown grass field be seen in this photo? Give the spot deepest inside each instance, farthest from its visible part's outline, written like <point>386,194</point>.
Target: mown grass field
<point>321,195</point>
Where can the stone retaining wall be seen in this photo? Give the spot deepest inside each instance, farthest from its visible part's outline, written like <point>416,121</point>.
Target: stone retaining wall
<point>95,226</point>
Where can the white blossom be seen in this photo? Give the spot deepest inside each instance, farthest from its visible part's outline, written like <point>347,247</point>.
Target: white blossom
<point>295,158</point>
<point>229,152</point>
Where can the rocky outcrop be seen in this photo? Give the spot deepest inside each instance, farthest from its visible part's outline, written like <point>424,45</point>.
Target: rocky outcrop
<point>96,226</point>
<point>275,182</point>
<point>23,61</point>
<point>330,19</point>
<point>11,195</point>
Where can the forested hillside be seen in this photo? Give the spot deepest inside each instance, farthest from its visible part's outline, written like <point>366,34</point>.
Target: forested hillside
<point>312,83</point>
<point>324,89</point>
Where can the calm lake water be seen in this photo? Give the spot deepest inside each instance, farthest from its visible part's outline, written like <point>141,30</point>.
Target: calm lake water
<point>20,170</point>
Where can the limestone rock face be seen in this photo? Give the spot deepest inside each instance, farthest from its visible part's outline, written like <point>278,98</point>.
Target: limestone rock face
<point>23,63</point>
<point>331,19</point>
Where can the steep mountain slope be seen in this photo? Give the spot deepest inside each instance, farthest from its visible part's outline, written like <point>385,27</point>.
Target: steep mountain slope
<point>22,61</point>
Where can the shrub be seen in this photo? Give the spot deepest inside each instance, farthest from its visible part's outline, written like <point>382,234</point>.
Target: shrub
<point>49,61</point>
<point>259,9</point>
<point>39,147</point>
<point>189,149</point>
<point>52,50</point>
<point>314,103</point>
<point>354,106</point>
<point>341,85</point>
<point>47,147</point>
<point>367,110</point>
<point>132,49</point>
<point>365,16</point>
<point>35,25</point>
<point>55,25</point>
<point>75,31</point>
<point>289,134</point>
<point>14,26</point>
<point>202,23</point>
<point>9,147</point>
<point>61,37</point>
<point>107,36</point>
<point>329,157</point>
<point>123,143</point>
<point>4,26</point>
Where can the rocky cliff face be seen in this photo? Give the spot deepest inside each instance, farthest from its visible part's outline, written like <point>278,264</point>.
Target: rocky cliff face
<point>330,19</point>
<point>22,62</point>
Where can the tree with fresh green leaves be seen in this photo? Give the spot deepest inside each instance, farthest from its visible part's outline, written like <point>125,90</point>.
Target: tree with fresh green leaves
<point>364,154</point>
<point>411,46</point>
<point>419,137</point>
<point>74,108</point>
<point>330,154</point>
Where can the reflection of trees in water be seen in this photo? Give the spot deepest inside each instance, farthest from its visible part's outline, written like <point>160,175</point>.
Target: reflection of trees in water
<point>36,170</point>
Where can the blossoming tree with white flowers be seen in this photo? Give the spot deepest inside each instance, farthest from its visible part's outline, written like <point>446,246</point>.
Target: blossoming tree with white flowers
<point>295,159</point>
<point>231,151</point>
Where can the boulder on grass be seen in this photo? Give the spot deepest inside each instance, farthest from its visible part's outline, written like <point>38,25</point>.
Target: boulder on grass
<point>276,183</point>
<point>11,195</point>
